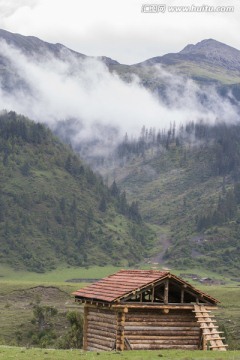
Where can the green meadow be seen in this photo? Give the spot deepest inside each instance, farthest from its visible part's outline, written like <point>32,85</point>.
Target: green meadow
<point>60,274</point>
<point>19,291</point>
<point>47,354</point>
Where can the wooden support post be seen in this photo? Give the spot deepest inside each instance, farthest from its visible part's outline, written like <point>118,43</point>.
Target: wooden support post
<point>120,329</point>
<point>166,289</point>
<point>85,328</point>
<point>204,341</point>
<point>182,296</point>
<point>153,294</point>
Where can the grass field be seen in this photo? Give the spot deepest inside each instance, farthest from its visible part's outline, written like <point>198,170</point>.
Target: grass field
<point>46,354</point>
<point>63,274</point>
<point>58,275</point>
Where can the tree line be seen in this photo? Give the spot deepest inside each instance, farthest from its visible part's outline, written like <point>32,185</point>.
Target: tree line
<point>222,139</point>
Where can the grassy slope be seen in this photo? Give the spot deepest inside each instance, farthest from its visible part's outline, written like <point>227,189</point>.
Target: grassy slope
<point>204,73</point>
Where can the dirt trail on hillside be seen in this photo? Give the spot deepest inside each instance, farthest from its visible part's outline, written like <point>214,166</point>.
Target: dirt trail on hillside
<point>164,242</point>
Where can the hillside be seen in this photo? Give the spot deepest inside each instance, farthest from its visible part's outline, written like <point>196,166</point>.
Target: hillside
<point>54,209</point>
<point>187,182</point>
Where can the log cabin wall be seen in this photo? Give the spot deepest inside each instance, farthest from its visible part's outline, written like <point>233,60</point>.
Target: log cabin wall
<point>100,329</point>
<point>152,329</point>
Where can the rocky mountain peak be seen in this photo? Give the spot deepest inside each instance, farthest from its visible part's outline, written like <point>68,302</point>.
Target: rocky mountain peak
<point>202,46</point>
<point>214,52</point>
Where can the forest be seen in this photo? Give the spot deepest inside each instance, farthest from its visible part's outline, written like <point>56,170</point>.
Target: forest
<point>186,179</point>
<point>54,208</point>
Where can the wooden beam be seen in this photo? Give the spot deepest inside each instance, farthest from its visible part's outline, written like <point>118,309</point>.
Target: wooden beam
<point>134,338</point>
<point>120,340</point>
<point>191,290</point>
<point>102,332</point>
<point>160,328</point>
<point>218,346</point>
<point>166,290</point>
<point>138,305</point>
<point>165,311</point>
<point>85,328</point>
<point>204,342</point>
<point>144,288</point>
<point>158,347</point>
<point>192,332</point>
<point>206,321</point>
<point>101,341</point>
<point>127,344</point>
<point>182,295</point>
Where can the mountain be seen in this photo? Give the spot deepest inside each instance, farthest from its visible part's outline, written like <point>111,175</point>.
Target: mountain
<point>54,209</point>
<point>214,53</point>
<point>209,52</point>
<point>34,49</point>
<point>208,63</point>
<point>32,46</point>
<point>187,183</point>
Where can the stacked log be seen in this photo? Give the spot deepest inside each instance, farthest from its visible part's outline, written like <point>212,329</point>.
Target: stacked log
<point>101,329</point>
<point>151,329</point>
<point>137,329</point>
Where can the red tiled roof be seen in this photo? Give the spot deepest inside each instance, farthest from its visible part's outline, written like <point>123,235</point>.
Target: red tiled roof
<point>124,282</point>
<point>120,284</point>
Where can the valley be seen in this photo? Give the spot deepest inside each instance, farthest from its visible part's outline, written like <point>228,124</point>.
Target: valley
<point>84,194</point>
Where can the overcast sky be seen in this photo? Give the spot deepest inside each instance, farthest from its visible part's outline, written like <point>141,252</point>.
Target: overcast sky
<point>118,28</point>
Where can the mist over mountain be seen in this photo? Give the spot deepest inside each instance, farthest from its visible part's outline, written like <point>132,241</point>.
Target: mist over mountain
<point>84,98</point>
<point>31,45</point>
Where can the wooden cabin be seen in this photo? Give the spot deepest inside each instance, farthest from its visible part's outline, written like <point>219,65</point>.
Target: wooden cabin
<point>147,309</point>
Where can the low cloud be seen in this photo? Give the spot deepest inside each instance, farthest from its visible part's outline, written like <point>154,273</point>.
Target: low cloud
<point>84,93</point>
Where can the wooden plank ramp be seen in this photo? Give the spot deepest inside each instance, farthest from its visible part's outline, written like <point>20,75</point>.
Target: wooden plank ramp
<point>210,335</point>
